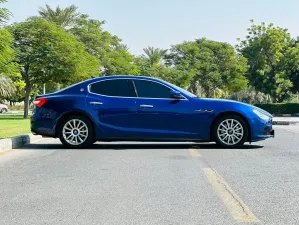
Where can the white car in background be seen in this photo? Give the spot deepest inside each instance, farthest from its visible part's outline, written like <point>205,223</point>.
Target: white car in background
<point>3,108</point>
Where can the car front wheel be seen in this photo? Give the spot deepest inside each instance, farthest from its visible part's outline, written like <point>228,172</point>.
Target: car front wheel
<point>230,131</point>
<point>76,132</point>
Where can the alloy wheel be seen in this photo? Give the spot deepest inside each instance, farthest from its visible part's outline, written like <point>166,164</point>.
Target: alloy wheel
<point>230,132</point>
<point>75,132</point>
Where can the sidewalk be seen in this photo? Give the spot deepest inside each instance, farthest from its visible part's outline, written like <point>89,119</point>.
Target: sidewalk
<point>285,120</point>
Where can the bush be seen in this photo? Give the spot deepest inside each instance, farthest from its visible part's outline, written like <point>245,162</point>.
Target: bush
<point>280,108</point>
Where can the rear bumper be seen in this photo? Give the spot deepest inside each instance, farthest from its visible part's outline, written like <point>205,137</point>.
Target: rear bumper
<point>38,128</point>
<point>42,123</point>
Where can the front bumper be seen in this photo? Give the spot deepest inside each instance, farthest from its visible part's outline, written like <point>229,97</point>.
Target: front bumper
<point>262,129</point>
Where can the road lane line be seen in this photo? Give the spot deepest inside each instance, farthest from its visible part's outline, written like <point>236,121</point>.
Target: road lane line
<point>236,207</point>
<point>193,152</point>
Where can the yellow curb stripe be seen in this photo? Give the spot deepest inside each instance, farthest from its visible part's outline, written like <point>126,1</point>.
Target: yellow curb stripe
<point>236,207</point>
<point>193,152</point>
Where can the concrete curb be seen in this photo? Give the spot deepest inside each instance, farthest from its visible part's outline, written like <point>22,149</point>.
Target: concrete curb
<point>18,142</point>
<point>13,114</point>
<point>285,123</point>
<point>285,115</point>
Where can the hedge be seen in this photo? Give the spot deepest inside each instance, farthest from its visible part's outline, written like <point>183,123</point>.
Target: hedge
<point>280,108</point>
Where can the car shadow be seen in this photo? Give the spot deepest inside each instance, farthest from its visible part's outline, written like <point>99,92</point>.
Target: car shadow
<point>137,146</point>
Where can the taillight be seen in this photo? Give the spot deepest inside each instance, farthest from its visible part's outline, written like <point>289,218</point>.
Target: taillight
<point>39,102</point>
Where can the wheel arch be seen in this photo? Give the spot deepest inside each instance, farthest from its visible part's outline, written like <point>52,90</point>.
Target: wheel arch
<point>227,113</point>
<point>66,115</point>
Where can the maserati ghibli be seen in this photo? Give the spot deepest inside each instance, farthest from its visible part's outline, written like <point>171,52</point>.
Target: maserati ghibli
<point>138,108</point>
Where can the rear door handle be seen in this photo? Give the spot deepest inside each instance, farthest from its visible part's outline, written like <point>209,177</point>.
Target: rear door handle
<point>146,106</point>
<point>96,103</point>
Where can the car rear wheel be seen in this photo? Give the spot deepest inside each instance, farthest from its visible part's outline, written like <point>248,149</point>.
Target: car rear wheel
<point>76,132</point>
<point>230,131</point>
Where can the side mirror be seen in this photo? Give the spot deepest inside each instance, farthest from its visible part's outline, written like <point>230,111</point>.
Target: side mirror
<point>176,94</point>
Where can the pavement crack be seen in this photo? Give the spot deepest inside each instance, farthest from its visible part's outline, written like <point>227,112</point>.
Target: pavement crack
<point>223,183</point>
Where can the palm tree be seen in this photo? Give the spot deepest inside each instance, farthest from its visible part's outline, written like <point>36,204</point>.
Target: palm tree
<point>6,87</point>
<point>154,55</point>
<point>62,17</point>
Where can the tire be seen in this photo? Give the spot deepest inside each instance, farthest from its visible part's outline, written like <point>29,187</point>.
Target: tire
<point>230,131</point>
<point>78,136</point>
<point>1,110</point>
<point>4,110</point>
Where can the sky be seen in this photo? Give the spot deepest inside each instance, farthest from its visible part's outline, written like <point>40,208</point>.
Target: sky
<point>162,23</point>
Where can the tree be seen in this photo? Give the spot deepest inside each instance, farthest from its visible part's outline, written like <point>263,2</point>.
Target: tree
<point>45,52</point>
<point>113,56</point>
<point>6,52</point>
<point>4,13</point>
<point>6,87</point>
<point>154,55</point>
<point>19,84</point>
<point>291,66</point>
<point>269,51</point>
<point>251,96</point>
<point>6,66</point>
<point>172,75</point>
<point>62,17</point>
<point>119,61</point>
<point>212,66</point>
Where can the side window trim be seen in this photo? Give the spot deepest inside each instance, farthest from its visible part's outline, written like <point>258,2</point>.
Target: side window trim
<point>135,89</point>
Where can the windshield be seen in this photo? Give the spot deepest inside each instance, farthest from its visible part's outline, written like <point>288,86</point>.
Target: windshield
<point>186,92</point>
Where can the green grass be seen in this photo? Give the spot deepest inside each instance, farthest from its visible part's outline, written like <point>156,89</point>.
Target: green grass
<point>13,125</point>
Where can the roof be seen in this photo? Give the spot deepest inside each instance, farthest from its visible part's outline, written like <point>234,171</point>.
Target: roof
<point>125,76</point>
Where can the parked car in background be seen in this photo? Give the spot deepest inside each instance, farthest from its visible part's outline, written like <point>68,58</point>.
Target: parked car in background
<point>3,108</point>
<point>136,108</point>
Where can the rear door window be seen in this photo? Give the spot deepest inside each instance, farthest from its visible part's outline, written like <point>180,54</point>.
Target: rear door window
<point>113,87</point>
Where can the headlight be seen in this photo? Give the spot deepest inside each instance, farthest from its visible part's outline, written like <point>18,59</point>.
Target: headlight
<point>261,115</point>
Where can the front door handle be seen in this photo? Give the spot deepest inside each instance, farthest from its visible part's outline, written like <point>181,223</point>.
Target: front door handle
<point>96,103</point>
<point>203,111</point>
<point>146,106</point>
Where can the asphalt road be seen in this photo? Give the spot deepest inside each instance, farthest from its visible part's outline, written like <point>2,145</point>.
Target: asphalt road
<point>152,183</point>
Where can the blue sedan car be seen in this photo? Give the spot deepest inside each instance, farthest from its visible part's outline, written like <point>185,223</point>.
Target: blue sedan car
<point>136,108</point>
